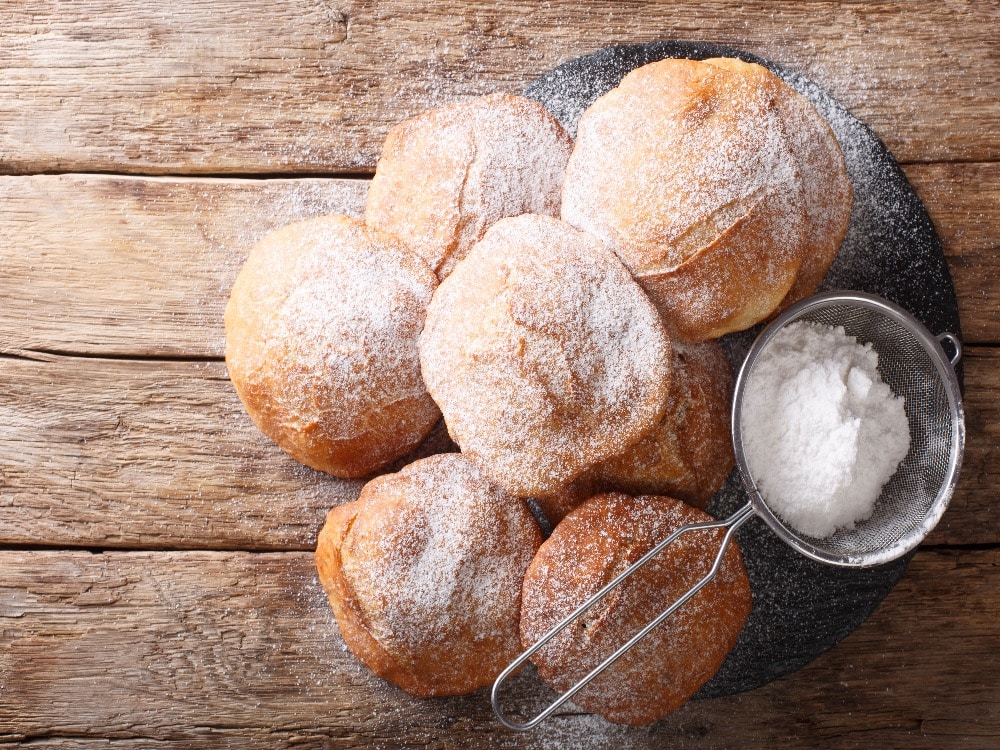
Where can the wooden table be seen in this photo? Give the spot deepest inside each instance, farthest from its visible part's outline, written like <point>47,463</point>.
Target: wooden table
<point>156,583</point>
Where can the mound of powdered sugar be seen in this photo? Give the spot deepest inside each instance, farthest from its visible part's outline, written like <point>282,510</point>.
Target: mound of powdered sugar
<point>822,431</point>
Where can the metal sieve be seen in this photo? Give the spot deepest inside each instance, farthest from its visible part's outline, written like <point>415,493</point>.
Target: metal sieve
<point>913,363</point>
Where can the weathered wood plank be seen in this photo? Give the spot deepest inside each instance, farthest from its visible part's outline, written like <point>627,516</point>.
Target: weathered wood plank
<point>313,85</point>
<point>118,453</point>
<point>235,649</point>
<point>974,501</point>
<point>143,266</point>
<point>149,454</point>
<point>114,266</point>
<point>103,453</point>
<point>963,201</point>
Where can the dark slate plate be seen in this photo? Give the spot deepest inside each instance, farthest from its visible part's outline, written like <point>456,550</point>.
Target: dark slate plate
<point>801,608</point>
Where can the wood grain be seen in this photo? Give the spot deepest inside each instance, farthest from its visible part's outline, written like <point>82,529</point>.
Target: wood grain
<point>146,454</point>
<point>120,266</point>
<point>240,649</point>
<point>963,201</point>
<point>311,86</point>
<point>140,454</point>
<point>120,431</point>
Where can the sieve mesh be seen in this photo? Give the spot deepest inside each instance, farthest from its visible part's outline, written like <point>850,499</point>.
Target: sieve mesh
<point>912,363</point>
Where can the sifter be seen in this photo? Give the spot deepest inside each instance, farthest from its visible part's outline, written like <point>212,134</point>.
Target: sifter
<point>913,364</point>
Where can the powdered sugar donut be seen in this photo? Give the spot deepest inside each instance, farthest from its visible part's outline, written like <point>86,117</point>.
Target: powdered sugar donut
<point>321,344</point>
<point>543,354</point>
<point>447,175</point>
<point>591,546</point>
<point>686,171</point>
<point>424,575</point>
<point>826,186</point>
<point>690,452</point>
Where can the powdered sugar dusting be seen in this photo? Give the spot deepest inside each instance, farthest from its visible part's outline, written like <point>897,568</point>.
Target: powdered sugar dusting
<point>697,176</point>
<point>447,175</point>
<point>822,431</point>
<point>591,546</point>
<point>435,560</point>
<point>544,355</point>
<point>632,180</point>
<point>322,328</point>
<point>689,454</point>
<point>826,187</point>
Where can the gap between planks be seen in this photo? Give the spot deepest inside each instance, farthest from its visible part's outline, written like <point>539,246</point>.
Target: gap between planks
<point>47,355</point>
<point>360,175</point>
<point>243,176</point>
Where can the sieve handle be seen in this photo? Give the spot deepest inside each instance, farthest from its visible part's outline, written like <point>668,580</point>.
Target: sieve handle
<point>956,345</point>
<point>731,524</point>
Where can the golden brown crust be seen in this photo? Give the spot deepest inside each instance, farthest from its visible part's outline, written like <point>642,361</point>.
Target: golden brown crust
<point>827,192</point>
<point>692,173</point>
<point>321,344</point>
<point>350,619</point>
<point>690,453</point>
<point>544,355</point>
<point>557,505</point>
<point>447,175</point>
<point>424,574</point>
<point>731,283</point>
<point>589,548</point>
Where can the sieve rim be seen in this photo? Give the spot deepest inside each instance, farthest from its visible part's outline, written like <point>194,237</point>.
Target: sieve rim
<point>946,371</point>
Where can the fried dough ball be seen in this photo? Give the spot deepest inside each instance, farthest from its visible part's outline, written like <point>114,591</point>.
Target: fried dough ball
<point>544,355</point>
<point>321,344</point>
<point>690,452</point>
<point>826,186</point>
<point>689,172</point>
<point>424,575</point>
<point>687,456</point>
<point>594,544</point>
<point>449,174</point>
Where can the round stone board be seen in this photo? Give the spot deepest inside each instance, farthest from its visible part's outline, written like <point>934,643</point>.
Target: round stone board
<point>801,608</point>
